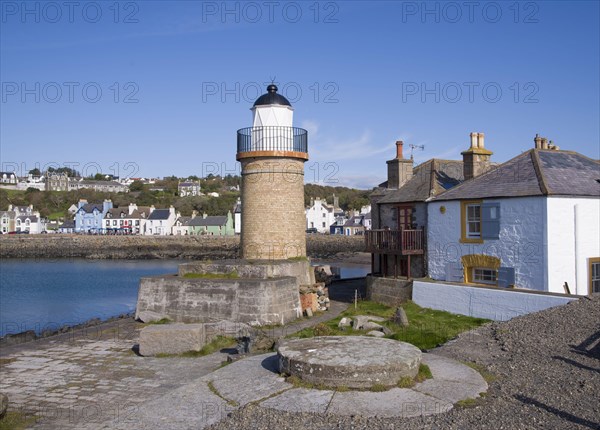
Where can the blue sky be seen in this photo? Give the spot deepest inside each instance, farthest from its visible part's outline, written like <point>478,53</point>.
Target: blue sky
<point>154,88</point>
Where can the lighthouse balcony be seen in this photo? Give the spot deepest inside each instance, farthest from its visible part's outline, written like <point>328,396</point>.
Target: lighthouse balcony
<point>277,141</point>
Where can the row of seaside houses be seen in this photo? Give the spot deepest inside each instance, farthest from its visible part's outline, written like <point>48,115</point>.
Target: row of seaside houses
<point>103,218</point>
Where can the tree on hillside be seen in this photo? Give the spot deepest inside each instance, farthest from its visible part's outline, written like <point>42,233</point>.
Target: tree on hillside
<point>136,186</point>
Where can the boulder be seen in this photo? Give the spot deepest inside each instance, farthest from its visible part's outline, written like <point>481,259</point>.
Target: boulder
<point>3,404</point>
<point>260,341</point>
<point>344,322</point>
<point>150,316</point>
<point>400,317</point>
<point>171,339</point>
<point>361,322</point>
<point>375,333</point>
<point>369,325</point>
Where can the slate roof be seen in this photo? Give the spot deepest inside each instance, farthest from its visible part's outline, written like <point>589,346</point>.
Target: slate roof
<point>141,210</point>
<point>429,179</point>
<point>184,220</point>
<point>536,172</point>
<point>68,224</point>
<point>159,214</point>
<point>89,207</point>
<point>355,221</point>
<point>208,221</point>
<point>10,214</point>
<point>116,212</point>
<point>32,218</point>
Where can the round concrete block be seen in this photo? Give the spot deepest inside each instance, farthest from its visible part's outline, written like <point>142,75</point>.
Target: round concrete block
<point>349,361</point>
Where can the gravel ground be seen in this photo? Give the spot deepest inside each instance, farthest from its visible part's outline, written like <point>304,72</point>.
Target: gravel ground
<point>543,371</point>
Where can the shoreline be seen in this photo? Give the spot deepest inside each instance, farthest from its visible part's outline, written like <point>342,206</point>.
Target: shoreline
<point>30,336</point>
<point>64,246</point>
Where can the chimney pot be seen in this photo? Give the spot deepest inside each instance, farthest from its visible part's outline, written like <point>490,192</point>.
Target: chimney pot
<point>399,145</point>
<point>473,140</point>
<point>538,141</point>
<point>480,137</point>
<point>544,143</point>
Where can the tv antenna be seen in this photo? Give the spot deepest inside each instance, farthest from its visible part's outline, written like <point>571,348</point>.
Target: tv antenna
<point>413,147</point>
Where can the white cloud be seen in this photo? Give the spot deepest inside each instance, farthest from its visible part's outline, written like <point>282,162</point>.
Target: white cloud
<point>327,148</point>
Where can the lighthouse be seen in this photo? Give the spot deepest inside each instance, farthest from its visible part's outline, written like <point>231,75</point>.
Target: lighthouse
<point>272,154</point>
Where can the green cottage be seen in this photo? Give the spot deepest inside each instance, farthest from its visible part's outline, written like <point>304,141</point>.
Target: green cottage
<point>211,225</point>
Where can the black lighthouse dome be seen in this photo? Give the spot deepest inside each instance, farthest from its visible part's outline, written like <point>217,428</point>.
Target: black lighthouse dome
<point>272,98</point>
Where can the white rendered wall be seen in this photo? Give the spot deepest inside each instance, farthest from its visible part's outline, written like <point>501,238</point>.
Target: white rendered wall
<point>237,223</point>
<point>573,238</point>
<point>490,303</point>
<point>521,244</point>
<point>315,218</point>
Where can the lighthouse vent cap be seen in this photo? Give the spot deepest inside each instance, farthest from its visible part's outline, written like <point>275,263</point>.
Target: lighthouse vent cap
<point>272,98</point>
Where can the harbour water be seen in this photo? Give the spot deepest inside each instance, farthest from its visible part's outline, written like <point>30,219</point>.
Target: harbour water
<point>44,295</point>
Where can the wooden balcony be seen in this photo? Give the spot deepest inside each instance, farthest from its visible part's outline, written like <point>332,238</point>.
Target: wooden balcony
<point>400,242</point>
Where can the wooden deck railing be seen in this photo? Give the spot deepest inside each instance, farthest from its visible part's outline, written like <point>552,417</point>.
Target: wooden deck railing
<point>403,242</point>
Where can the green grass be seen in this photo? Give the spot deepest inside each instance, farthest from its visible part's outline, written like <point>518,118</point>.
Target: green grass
<point>485,374</point>
<point>230,275</point>
<point>213,389</point>
<point>56,215</point>
<point>160,321</point>
<point>467,403</point>
<point>424,373</point>
<point>428,328</point>
<point>17,421</point>
<point>218,343</point>
<point>299,258</point>
<point>378,388</point>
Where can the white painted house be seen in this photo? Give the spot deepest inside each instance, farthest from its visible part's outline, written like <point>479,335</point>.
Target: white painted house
<point>533,223</point>
<point>321,215</point>
<point>130,219</point>
<point>160,222</point>
<point>237,217</point>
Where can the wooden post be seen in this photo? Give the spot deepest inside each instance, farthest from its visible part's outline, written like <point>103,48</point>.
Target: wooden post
<point>408,269</point>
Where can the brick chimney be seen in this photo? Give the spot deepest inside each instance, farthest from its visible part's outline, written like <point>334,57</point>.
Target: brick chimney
<point>400,170</point>
<point>476,159</point>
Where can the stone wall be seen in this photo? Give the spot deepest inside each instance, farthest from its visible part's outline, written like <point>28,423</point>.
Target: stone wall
<point>388,291</point>
<point>192,300</point>
<point>151,247</point>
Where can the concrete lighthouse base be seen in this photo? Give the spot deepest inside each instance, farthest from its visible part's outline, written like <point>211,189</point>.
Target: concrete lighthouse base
<point>255,292</point>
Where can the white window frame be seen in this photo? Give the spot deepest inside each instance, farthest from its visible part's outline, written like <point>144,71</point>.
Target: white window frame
<point>473,221</point>
<point>484,275</point>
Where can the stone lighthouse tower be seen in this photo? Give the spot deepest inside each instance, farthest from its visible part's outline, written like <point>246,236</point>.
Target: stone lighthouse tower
<point>272,153</point>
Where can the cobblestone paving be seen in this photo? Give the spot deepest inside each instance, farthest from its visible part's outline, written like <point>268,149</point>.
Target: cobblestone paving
<point>84,379</point>
<point>93,376</point>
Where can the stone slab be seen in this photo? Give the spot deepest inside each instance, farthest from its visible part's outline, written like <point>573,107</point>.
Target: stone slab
<point>349,361</point>
<point>177,410</point>
<point>300,400</point>
<point>171,339</point>
<point>249,380</point>
<point>397,402</point>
